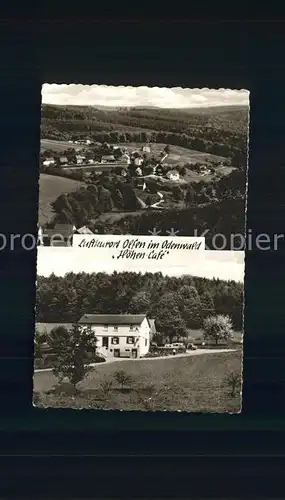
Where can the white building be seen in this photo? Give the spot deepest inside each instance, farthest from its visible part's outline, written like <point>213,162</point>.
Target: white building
<point>138,171</point>
<point>146,149</point>
<point>125,158</point>
<point>173,175</point>
<point>79,159</point>
<point>138,162</point>
<point>48,162</point>
<point>120,335</point>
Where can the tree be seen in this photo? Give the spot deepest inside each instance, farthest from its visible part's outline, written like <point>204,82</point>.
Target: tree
<point>104,200</point>
<point>190,197</point>
<point>233,381</point>
<point>178,194</point>
<point>123,378</point>
<point>207,305</point>
<point>217,328</point>
<point>40,339</point>
<point>190,306</point>
<point>168,317</point>
<point>140,303</point>
<point>72,349</point>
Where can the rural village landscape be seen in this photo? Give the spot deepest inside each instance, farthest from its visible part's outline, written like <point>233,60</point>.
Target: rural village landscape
<point>139,341</point>
<point>140,161</point>
<point>141,169</point>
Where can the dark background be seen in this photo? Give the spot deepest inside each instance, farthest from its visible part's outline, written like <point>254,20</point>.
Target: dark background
<point>142,453</point>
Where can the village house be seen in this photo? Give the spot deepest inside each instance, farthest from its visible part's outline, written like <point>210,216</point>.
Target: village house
<point>138,172</point>
<point>138,161</point>
<point>79,159</point>
<point>120,335</point>
<point>146,149</point>
<point>173,175</point>
<point>63,160</point>
<point>125,158</point>
<point>60,236</point>
<point>48,161</point>
<point>159,170</point>
<point>123,172</point>
<point>108,159</point>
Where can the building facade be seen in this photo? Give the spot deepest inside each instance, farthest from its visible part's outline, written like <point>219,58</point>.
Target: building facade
<point>120,335</point>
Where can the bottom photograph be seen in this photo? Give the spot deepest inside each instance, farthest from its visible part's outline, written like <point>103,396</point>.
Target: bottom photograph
<point>169,340</point>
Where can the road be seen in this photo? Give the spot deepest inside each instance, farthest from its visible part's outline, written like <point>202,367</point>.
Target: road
<point>95,166</point>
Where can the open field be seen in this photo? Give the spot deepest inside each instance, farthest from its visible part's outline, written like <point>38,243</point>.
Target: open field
<point>58,146</point>
<point>194,383</point>
<point>197,335</point>
<point>51,187</point>
<point>178,155</point>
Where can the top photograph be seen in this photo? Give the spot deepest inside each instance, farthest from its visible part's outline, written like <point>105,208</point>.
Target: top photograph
<point>143,161</point>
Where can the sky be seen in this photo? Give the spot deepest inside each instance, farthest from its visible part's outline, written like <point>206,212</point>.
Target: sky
<point>226,265</point>
<point>124,96</point>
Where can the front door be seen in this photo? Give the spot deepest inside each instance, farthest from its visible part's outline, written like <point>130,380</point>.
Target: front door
<point>116,353</point>
<point>134,353</point>
<point>105,342</point>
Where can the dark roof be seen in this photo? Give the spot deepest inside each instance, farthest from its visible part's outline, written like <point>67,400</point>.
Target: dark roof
<point>60,230</point>
<point>112,319</point>
<point>67,227</point>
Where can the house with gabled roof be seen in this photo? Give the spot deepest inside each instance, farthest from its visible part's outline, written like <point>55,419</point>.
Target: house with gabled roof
<point>59,236</point>
<point>119,335</point>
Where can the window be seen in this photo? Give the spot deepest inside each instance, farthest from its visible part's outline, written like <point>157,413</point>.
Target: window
<point>105,327</point>
<point>145,341</point>
<point>115,328</point>
<point>130,340</point>
<point>115,340</point>
<point>132,328</point>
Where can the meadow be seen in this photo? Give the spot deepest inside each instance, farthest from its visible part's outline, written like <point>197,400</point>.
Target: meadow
<point>57,146</point>
<point>51,187</point>
<point>177,155</point>
<point>190,383</point>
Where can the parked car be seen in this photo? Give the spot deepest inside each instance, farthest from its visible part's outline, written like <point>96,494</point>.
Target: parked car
<point>178,344</point>
<point>191,347</point>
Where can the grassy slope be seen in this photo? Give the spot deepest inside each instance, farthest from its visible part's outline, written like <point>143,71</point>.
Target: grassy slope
<point>51,187</point>
<point>190,384</point>
<point>177,154</point>
<point>58,146</point>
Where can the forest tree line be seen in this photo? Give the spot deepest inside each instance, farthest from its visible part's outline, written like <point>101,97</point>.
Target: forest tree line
<point>218,207</point>
<point>176,303</point>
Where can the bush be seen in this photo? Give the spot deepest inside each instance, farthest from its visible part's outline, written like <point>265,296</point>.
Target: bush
<point>123,378</point>
<point>105,385</point>
<point>233,382</point>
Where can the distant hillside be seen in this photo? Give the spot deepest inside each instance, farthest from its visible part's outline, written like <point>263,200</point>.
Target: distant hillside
<point>221,131</point>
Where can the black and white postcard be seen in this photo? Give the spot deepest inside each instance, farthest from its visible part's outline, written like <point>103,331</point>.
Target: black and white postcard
<point>139,334</point>
<point>143,161</point>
